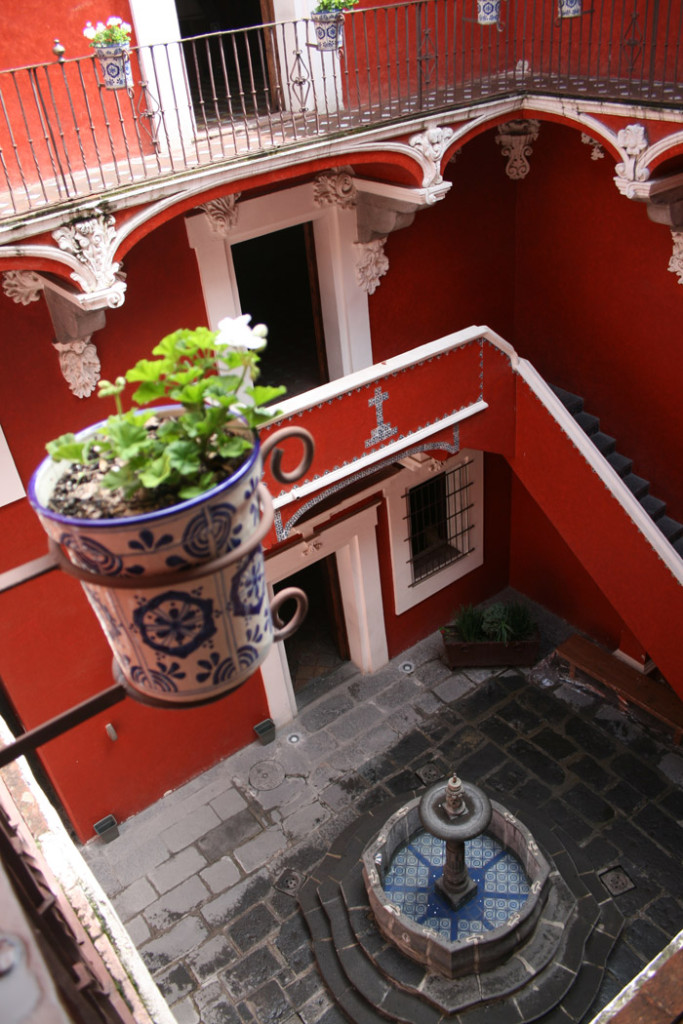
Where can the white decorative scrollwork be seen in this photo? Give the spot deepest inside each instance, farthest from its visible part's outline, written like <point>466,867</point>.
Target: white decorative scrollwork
<point>433,143</point>
<point>597,152</point>
<point>632,141</point>
<point>335,188</point>
<point>676,261</point>
<point>515,139</point>
<point>371,264</point>
<point>80,365</point>
<point>22,286</point>
<point>92,242</point>
<point>222,213</point>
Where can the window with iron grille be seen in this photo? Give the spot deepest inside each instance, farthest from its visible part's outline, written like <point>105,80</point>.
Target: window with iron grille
<point>439,521</point>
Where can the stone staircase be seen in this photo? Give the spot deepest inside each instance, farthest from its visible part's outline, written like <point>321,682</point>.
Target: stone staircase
<point>639,487</point>
<point>552,979</point>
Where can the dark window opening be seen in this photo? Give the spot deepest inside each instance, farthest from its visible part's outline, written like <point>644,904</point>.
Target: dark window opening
<point>439,522</point>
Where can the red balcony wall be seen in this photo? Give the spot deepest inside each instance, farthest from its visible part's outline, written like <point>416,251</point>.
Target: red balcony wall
<point>53,653</point>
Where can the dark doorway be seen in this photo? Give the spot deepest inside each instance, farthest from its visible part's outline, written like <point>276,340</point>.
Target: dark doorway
<point>278,286</point>
<point>320,645</point>
<point>229,74</point>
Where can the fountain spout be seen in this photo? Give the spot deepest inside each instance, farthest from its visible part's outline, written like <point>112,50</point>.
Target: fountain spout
<point>455,812</point>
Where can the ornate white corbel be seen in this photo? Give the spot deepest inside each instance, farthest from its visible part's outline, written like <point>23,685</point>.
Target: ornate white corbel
<point>515,139</point>
<point>676,261</point>
<point>597,152</point>
<point>371,264</point>
<point>433,143</point>
<point>632,141</point>
<point>335,188</point>
<point>80,365</point>
<point>92,243</point>
<point>22,286</point>
<point>223,213</point>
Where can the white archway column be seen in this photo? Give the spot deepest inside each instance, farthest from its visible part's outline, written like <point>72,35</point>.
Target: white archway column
<point>354,543</point>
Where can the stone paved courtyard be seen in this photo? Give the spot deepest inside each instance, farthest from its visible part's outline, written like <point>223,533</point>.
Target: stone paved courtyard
<point>206,879</point>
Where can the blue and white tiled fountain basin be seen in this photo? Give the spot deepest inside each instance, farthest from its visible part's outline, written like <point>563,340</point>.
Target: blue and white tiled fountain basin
<point>401,866</point>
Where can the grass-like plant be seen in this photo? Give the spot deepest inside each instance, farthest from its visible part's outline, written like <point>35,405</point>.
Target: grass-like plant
<point>208,374</point>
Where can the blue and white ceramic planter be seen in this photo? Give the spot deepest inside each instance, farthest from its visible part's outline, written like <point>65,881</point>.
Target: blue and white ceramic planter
<point>175,640</point>
<point>329,29</point>
<point>115,64</point>
<point>488,12</point>
<point>569,8</point>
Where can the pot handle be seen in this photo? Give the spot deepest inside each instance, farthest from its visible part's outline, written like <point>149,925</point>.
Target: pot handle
<point>284,434</point>
<point>285,630</point>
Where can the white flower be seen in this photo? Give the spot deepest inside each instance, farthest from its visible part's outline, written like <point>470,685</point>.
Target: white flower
<point>125,27</point>
<point>114,20</point>
<point>89,31</point>
<point>236,333</point>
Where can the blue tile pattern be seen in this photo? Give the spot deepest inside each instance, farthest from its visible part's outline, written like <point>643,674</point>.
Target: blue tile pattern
<point>502,886</point>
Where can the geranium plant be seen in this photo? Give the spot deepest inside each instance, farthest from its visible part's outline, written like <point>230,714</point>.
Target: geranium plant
<point>156,460</point>
<point>333,6</point>
<point>114,32</point>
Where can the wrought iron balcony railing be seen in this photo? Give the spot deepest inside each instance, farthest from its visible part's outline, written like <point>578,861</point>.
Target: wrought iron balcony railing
<point>229,96</point>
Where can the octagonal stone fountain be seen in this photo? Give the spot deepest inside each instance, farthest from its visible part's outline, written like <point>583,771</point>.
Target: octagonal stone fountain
<point>440,908</point>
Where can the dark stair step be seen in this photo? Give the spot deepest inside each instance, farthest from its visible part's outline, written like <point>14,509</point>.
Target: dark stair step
<point>572,403</point>
<point>603,442</point>
<point>671,529</point>
<point>589,423</point>
<point>638,486</point>
<point>654,507</point>
<point>620,463</point>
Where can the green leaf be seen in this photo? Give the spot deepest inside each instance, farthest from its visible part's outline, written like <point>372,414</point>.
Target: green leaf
<point>231,446</point>
<point>127,436</point>
<point>184,457</point>
<point>148,392</point>
<point>146,370</point>
<point>66,448</point>
<point>262,395</point>
<point>156,472</point>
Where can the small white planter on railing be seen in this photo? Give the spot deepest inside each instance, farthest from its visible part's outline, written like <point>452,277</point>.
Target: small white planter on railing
<point>329,29</point>
<point>488,12</point>
<point>115,64</point>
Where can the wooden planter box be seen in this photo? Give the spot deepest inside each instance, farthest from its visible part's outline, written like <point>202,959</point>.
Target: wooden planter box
<point>489,653</point>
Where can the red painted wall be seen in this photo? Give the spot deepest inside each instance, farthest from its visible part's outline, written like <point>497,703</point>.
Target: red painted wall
<point>596,310</point>
<point>544,567</point>
<point>453,266</point>
<point>52,652</point>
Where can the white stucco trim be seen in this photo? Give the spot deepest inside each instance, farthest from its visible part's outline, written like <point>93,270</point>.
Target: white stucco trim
<point>346,317</point>
<point>353,541</point>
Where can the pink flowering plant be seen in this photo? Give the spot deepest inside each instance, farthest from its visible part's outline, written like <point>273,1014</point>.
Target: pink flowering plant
<point>210,375</point>
<point>114,32</point>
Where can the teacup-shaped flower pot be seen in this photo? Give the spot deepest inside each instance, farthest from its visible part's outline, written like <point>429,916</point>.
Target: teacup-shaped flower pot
<point>115,64</point>
<point>488,12</point>
<point>329,29</point>
<point>180,592</point>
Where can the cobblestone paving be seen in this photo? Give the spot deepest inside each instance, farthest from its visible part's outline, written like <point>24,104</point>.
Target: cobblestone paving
<point>206,879</point>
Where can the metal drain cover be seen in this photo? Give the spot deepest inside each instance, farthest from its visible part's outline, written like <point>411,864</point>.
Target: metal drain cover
<point>289,882</point>
<point>616,881</point>
<point>429,773</point>
<point>266,775</point>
